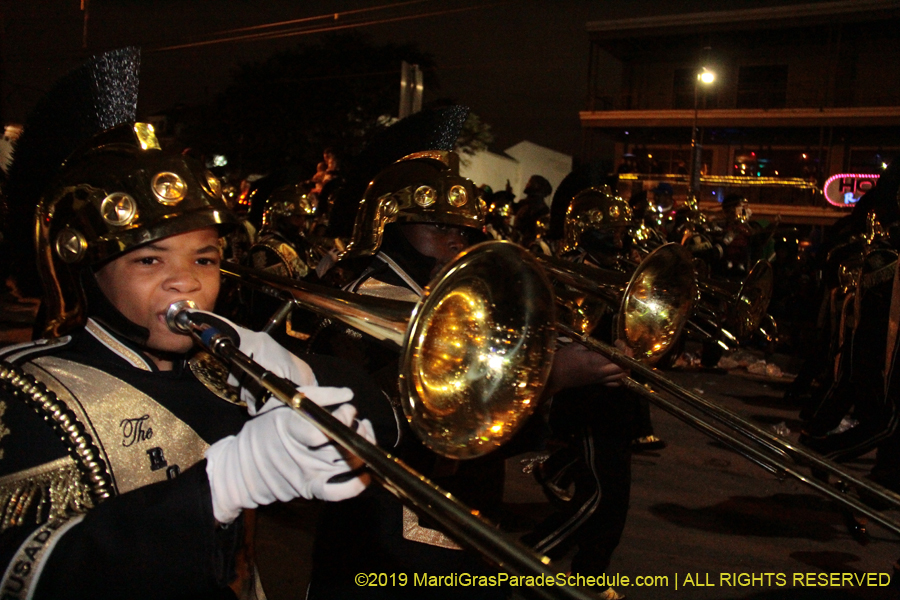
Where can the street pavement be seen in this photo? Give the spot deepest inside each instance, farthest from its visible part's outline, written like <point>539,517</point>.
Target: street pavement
<point>699,509</point>
<point>705,523</point>
<point>16,316</point>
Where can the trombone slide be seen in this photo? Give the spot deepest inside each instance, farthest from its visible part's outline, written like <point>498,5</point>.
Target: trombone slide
<point>460,521</point>
<point>766,443</point>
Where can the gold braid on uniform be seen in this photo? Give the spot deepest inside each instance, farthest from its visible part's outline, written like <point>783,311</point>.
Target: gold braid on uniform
<point>67,484</point>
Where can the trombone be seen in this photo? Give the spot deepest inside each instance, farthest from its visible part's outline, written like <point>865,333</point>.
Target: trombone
<point>474,359</point>
<point>654,301</point>
<point>653,306</point>
<point>476,350</point>
<point>767,449</point>
<point>744,303</point>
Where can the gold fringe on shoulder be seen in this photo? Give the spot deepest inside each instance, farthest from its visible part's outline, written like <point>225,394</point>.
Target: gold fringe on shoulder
<point>54,489</point>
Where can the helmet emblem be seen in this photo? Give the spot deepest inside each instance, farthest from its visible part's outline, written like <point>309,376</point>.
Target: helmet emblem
<point>70,245</point>
<point>457,196</point>
<point>425,196</point>
<point>169,188</point>
<point>118,209</point>
<point>614,212</point>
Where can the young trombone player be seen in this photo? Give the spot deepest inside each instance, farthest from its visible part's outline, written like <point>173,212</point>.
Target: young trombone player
<point>416,216</point>
<point>126,471</point>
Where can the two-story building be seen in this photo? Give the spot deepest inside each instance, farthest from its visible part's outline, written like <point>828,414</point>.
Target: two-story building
<point>800,92</point>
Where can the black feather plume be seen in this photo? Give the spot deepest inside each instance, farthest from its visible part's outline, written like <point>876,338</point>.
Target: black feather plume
<point>100,94</point>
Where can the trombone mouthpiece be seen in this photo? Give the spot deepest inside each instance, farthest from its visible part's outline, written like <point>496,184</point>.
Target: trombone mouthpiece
<point>177,317</point>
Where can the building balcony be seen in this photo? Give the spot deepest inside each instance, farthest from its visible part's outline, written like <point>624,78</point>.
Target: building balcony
<point>867,116</point>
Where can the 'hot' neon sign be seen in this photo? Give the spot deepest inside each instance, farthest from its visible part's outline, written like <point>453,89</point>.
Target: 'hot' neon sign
<point>845,189</point>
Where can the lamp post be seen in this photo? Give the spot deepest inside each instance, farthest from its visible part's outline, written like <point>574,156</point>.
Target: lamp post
<point>705,77</point>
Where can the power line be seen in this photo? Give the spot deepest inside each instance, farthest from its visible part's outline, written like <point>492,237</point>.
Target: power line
<point>334,16</point>
<point>323,29</point>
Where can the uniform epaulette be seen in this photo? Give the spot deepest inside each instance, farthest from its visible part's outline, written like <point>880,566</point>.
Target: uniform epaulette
<point>83,452</point>
<point>18,354</point>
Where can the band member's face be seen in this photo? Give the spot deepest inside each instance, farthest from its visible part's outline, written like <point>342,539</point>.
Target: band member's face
<point>142,283</point>
<point>440,242</point>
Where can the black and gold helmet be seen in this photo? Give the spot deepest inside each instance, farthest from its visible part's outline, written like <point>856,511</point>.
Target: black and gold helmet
<point>288,201</point>
<point>593,210</point>
<point>118,192</point>
<point>424,187</point>
<point>738,207</point>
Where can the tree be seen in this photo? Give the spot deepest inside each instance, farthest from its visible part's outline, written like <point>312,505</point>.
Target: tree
<point>476,136</point>
<point>285,110</point>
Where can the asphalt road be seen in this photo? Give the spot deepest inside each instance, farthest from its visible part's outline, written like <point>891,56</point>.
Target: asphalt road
<point>698,509</point>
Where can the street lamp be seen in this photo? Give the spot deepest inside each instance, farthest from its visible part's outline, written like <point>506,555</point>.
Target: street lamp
<point>705,77</point>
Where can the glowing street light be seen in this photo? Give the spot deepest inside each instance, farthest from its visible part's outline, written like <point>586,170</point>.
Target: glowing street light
<point>705,77</point>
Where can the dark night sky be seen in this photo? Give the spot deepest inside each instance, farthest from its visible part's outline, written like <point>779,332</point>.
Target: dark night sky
<point>520,65</point>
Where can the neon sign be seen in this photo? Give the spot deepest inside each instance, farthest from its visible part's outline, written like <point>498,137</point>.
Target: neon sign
<point>845,189</point>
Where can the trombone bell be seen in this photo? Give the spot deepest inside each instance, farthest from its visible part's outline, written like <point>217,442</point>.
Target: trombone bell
<point>657,302</point>
<point>478,350</point>
<point>654,303</point>
<point>475,353</point>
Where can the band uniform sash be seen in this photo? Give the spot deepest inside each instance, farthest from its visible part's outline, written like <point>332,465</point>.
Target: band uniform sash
<point>141,441</point>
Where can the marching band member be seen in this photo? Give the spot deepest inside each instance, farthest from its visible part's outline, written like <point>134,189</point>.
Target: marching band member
<point>126,466</point>
<point>416,216</point>
<point>590,476</point>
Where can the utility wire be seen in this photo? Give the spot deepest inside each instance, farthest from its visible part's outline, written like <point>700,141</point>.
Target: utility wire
<point>333,16</point>
<point>323,29</point>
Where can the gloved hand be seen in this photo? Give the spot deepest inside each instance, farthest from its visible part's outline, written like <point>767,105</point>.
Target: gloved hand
<point>279,455</point>
<point>268,353</point>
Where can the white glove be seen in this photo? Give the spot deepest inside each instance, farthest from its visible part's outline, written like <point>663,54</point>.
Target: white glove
<point>279,455</point>
<point>270,355</point>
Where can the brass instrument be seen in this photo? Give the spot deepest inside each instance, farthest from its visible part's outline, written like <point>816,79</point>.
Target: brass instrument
<point>653,302</point>
<point>408,485</point>
<point>726,312</point>
<point>746,313</point>
<point>742,306</point>
<point>767,449</point>
<point>475,352</point>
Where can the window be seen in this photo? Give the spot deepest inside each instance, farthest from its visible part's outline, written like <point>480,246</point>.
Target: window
<point>683,88</point>
<point>865,160</point>
<point>762,86</point>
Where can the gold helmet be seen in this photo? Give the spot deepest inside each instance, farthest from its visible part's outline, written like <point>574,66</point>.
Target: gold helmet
<point>117,193</point>
<point>288,201</point>
<point>593,210</point>
<point>738,207</point>
<point>424,187</point>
